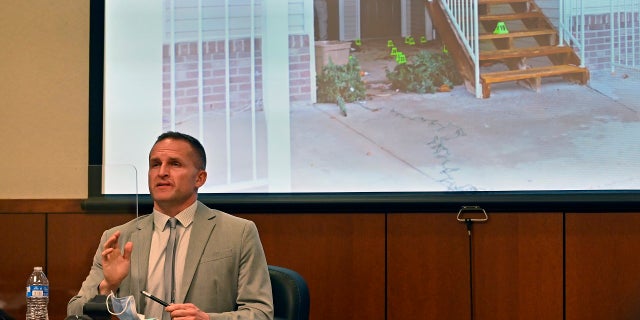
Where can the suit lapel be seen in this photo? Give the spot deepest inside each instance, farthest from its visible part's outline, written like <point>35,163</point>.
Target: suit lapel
<point>140,257</point>
<point>203,225</point>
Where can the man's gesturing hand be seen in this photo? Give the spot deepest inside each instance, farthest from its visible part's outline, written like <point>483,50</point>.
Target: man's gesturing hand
<point>115,263</point>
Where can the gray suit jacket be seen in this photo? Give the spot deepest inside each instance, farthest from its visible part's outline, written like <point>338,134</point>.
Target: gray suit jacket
<point>226,269</point>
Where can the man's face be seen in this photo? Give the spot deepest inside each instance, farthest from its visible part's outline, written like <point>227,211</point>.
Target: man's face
<point>174,175</point>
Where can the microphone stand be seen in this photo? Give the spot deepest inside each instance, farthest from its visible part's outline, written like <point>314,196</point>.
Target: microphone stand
<point>464,216</point>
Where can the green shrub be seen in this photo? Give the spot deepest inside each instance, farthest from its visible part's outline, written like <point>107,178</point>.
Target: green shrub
<point>425,73</point>
<point>340,84</point>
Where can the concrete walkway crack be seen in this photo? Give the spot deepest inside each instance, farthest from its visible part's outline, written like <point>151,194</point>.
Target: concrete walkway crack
<point>438,145</point>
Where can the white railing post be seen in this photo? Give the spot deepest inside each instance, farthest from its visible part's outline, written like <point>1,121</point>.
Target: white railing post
<point>464,16</point>
<point>476,46</point>
<point>561,22</point>
<point>172,63</point>
<point>612,37</point>
<point>581,44</point>
<point>571,26</point>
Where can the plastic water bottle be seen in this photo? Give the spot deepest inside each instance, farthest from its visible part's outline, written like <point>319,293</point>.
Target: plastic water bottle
<point>37,295</point>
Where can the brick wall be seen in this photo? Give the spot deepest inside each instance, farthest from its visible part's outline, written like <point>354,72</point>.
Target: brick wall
<point>214,64</point>
<point>598,40</point>
<point>299,71</point>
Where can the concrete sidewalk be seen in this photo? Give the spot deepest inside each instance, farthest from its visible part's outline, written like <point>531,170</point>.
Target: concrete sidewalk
<point>565,137</point>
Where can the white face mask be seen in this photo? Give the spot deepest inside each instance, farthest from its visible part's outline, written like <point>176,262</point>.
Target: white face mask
<point>124,308</point>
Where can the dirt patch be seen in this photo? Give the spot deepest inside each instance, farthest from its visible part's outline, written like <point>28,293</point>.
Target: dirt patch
<point>375,60</point>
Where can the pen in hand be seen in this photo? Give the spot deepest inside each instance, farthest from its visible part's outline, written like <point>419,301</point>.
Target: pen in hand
<point>154,298</point>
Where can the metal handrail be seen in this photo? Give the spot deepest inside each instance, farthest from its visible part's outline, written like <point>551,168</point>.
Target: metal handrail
<point>571,26</point>
<point>464,16</point>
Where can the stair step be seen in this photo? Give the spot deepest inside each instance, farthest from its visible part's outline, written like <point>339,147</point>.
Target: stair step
<point>511,16</point>
<point>527,52</point>
<point>518,34</point>
<point>532,73</point>
<point>530,35</point>
<point>538,72</point>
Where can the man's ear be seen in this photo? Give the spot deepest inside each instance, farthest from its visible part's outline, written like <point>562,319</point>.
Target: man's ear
<point>201,178</point>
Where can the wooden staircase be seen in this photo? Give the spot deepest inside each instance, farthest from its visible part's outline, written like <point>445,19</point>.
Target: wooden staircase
<point>526,54</point>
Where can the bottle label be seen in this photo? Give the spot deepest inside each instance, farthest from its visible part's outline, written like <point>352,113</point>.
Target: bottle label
<point>37,291</point>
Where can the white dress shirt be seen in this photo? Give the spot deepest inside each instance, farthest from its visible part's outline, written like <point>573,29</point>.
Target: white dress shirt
<point>155,274</point>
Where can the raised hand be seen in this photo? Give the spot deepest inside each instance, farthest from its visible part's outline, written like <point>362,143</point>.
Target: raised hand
<point>115,263</point>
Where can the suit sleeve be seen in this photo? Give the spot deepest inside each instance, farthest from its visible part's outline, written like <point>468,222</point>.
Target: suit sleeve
<point>254,286</point>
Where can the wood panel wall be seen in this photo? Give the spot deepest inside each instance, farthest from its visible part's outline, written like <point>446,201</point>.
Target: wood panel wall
<point>524,265</point>
<point>602,262</point>
<point>510,267</point>
<point>55,234</point>
<point>22,246</point>
<point>340,255</point>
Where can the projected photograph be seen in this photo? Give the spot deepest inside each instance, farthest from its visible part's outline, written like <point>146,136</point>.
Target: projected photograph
<point>380,96</point>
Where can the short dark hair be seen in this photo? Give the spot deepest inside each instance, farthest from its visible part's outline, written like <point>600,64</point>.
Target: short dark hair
<point>195,144</point>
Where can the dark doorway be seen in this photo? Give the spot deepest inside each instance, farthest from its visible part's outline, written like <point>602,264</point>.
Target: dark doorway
<point>380,19</point>
<point>417,15</point>
<point>334,20</point>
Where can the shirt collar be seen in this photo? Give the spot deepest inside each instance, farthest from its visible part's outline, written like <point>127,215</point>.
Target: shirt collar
<point>185,216</point>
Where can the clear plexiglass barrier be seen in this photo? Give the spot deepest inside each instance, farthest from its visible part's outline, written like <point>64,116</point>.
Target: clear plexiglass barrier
<point>114,188</point>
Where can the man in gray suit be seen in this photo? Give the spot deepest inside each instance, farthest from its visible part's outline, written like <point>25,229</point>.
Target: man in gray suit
<point>220,266</point>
